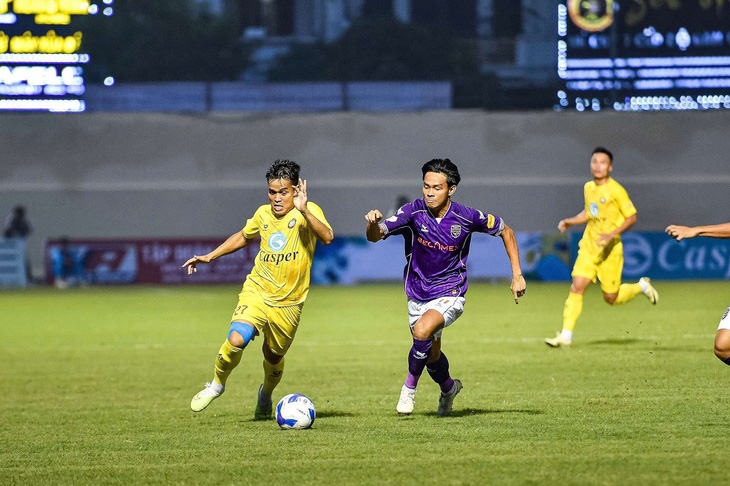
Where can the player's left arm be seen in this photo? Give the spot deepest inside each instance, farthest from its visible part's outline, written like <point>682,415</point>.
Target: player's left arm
<point>518,285</point>
<point>321,230</point>
<point>605,238</point>
<point>627,210</point>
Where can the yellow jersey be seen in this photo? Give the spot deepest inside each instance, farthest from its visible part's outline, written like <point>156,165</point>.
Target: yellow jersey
<point>282,268</point>
<point>607,207</point>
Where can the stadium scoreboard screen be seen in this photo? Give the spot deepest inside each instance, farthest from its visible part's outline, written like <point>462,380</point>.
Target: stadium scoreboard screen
<point>641,55</point>
<point>42,56</point>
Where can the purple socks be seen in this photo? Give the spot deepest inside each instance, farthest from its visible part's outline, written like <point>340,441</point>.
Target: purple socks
<point>439,371</point>
<point>417,357</point>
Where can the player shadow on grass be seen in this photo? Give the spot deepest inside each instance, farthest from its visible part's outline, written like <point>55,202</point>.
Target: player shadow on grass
<point>613,341</point>
<point>334,413</point>
<point>481,411</point>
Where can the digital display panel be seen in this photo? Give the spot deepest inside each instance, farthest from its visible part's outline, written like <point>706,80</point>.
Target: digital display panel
<point>42,56</point>
<point>644,55</point>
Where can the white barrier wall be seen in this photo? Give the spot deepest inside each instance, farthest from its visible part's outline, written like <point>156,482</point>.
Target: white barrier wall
<point>160,175</point>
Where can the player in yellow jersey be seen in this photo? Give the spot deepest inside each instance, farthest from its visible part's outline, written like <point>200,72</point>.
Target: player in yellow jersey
<point>607,214</point>
<point>273,294</point>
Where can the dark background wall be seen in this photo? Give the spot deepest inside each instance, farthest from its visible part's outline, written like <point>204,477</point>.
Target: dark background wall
<point>130,175</point>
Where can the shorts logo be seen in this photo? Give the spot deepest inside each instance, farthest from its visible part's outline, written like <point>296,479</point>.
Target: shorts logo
<point>455,230</point>
<point>292,223</point>
<point>727,311</point>
<point>277,241</point>
<point>593,208</point>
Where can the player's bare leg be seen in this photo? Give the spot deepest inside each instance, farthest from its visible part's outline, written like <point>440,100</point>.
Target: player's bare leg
<point>722,345</point>
<point>571,312</point>
<point>425,327</point>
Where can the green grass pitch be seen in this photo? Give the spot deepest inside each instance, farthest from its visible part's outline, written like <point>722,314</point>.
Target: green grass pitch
<point>96,384</point>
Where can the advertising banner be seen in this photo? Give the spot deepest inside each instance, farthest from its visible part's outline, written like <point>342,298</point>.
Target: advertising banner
<point>143,261</point>
<point>656,255</point>
<point>348,260</point>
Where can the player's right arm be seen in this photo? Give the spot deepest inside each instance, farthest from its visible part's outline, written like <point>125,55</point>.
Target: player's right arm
<point>713,231</point>
<point>234,243</point>
<point>374,232</point>
<point>579,218</point>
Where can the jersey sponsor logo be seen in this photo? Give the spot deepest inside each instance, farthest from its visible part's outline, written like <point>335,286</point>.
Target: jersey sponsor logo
<point>292,223</point>
<point>455,230</point>
<point>277,241</point>
<point>437,245</point>
<point>277,258</point>
<point>593,208</point>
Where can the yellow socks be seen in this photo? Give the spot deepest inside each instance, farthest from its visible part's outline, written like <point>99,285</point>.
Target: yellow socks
<point>571,311</point>
<point>272,375</point>
<point>228,358</point>
<point>627,292</point>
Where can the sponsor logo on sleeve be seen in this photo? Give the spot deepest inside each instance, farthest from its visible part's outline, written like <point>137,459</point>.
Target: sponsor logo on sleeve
<point>491,220</point>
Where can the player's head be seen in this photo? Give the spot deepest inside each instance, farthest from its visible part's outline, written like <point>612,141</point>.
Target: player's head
<point>283,178</point>
<point>440,178</point>
<point>601,163</point>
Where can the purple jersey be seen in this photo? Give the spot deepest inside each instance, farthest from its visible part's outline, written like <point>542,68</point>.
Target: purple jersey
<point>437,251</point>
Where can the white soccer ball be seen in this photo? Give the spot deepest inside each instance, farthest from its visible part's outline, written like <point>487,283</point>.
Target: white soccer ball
<point>295,411</point>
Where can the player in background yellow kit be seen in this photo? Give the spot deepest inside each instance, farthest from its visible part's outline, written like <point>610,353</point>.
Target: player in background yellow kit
<point>272,297</point>
<point>607,214</point>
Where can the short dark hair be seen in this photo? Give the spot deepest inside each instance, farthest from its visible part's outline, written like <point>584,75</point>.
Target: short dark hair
<point>603,150</point>
<point>444,166</point>
<point>283,169</point>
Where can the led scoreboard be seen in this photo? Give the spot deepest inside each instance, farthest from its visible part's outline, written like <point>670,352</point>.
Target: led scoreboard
<point>42,55</point>
<point>642,55</point>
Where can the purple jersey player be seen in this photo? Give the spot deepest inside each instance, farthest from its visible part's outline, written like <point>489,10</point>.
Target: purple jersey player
<point>437,233</point>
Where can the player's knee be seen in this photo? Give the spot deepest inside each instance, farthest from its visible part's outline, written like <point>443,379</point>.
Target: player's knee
<point>610,298</point>
<point>421,332</point>
<point>240,334</point>
<point>270,356</point>
<point>722,350</point>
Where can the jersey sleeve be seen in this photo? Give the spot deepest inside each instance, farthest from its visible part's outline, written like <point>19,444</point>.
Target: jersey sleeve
<point>488,223</point>
<point>319,214</point>
<point>251,230</point>
<point>400,220</point>
<point>624,203</point>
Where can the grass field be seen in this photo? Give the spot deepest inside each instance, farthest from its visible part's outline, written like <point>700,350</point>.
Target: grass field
<point>96,383</point>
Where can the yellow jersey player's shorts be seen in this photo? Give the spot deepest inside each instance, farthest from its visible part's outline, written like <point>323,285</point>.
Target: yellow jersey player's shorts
<point>277,324</point>
<point>607,265</point>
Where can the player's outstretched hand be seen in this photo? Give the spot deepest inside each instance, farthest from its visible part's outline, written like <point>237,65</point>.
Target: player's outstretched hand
<point>193,262</point>
<point>300,195</point>
<point>374,216</point>
<point>518,287</point>
<point>681,232</point>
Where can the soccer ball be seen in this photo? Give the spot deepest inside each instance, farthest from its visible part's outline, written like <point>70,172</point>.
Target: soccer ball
<point>295,411</point>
